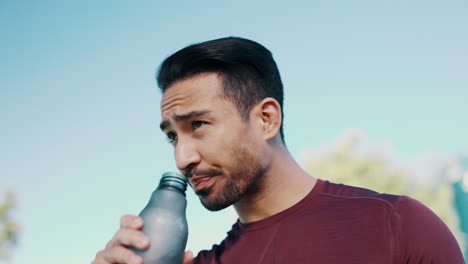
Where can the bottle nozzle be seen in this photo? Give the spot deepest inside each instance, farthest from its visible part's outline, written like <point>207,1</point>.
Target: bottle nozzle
<point>175,180</point>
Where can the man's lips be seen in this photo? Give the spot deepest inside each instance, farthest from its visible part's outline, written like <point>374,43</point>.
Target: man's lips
<point>200,182</point>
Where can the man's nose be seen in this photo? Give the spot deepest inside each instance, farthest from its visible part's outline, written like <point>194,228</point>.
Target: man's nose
<point>186,155</point>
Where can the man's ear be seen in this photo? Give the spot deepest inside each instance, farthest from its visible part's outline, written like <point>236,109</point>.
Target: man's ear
<point>269,115</point>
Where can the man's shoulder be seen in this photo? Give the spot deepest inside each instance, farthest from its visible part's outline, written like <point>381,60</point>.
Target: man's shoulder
<point>342,192</point>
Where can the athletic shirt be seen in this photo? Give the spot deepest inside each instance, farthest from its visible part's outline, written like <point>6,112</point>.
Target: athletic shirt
<point>335,224</point>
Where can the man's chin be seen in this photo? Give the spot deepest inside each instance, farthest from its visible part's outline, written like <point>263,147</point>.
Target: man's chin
<point>213,205</point>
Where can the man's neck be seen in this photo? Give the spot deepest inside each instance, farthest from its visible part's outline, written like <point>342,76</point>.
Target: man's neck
<point>284,185</point>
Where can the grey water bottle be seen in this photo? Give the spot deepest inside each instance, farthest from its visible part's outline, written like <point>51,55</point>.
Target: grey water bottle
<point>165,223</point>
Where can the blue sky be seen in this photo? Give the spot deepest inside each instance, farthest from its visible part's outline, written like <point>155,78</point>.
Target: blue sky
<point>79,108</point>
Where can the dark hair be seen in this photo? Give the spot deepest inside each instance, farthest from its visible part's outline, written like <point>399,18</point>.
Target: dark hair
<point>249,73</point>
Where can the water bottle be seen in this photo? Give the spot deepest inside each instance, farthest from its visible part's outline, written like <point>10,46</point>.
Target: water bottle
<point>165,223</point>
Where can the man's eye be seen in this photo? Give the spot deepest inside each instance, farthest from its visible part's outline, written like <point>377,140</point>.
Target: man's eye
<point>197,124</point>
<point>171,136</point>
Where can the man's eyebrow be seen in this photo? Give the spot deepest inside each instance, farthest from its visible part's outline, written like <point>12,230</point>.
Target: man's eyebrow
<point>189,115</point>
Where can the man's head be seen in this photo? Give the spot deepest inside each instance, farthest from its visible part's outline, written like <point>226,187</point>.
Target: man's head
<point>247,69</point>
<point>219,113</point>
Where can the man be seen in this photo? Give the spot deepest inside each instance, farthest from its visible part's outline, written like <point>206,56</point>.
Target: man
<point>222,112</point>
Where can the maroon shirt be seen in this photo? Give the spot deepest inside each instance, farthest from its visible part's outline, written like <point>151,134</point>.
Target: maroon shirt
<point>341,224</point>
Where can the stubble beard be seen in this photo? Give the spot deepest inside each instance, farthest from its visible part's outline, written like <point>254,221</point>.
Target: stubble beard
<point>246,180</point>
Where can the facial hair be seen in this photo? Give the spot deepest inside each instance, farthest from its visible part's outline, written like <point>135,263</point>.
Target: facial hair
<point>244,181</point>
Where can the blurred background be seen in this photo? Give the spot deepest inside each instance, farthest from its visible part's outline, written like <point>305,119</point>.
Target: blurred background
<point>376,95</point>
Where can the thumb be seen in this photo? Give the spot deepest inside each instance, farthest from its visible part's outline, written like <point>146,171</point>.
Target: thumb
<point>188,257</point>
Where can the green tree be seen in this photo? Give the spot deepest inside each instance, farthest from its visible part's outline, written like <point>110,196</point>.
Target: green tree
<point>8,228</point>
<point>343,162</point>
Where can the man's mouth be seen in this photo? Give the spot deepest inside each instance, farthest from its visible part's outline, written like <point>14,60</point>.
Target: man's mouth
<point>201,182</point>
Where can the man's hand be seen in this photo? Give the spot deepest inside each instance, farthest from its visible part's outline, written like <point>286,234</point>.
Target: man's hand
<point>128,235</point>
<point>188,257</point>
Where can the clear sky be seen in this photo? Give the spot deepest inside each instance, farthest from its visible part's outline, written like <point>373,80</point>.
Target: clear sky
<point>79,107</point>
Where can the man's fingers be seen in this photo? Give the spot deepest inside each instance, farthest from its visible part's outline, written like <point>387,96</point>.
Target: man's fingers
<point>188,257</point>
<point>131,221</point>
<point>129,238</point>
<point>99,259</point>
<point>129,235</point>
<point>121,255</point>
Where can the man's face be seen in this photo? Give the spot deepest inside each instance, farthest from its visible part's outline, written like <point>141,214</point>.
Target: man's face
<point>214,147</point>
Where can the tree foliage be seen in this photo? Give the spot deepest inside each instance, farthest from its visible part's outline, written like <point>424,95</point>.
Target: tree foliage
<point>8,228</point>
<point>344,163</point>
